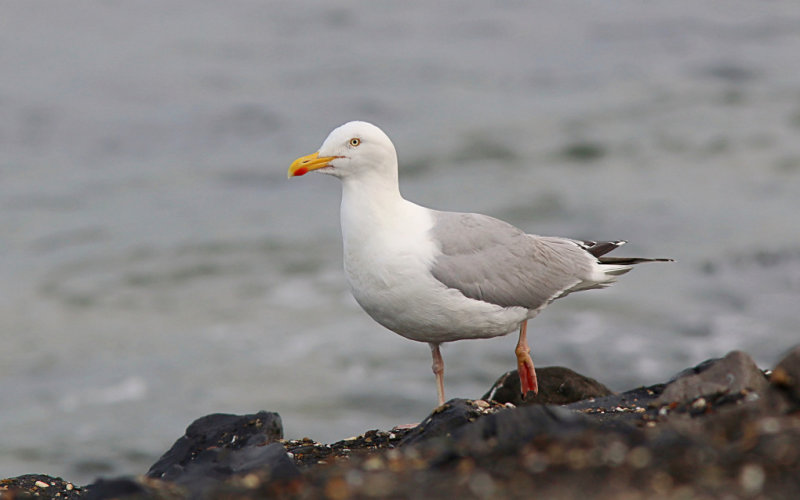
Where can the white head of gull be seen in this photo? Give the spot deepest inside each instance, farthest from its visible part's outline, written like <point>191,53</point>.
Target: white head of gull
<point>434,276</point>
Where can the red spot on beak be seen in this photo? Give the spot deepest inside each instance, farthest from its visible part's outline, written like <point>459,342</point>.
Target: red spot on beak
<point>300,171</point>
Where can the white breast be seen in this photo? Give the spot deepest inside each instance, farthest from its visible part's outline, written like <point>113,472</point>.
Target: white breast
<point>388,252</point>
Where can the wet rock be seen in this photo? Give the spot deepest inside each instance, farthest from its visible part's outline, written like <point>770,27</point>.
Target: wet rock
<point>444,420</point>
<point>133,488</point>
<point>557,385</point>
<point>38,485</point>
<point>506,432</point>
<point>786,376</point>
<point>115,488</point>
<point>719,401</point>
<point>219,447</point>
<point>717,430</point>
<point>735,374</point>
<point>215,432</point>
<point>217,465</point>
<point>630,408</point>
<point>724,419</point>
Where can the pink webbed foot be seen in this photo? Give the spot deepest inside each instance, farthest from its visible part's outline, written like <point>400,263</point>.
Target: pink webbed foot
<point>527,373</point>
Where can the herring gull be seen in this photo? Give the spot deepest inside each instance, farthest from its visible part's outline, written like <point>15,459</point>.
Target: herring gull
<point>435,276</point>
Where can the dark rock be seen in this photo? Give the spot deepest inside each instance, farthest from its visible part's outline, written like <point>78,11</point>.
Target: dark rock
<point>216,465</point>
<point>219,447</point>
<point>217,431</point>
<point>557,385</point>
<point>719,401</point>
<point>443,421</point>
<point>116,488</point>
<point>136,488</point>
<point>735,374</point>
<point>786,375</point>
<point>630,408</point>
<point>38,486</point>
<point>271,459</point>
<point>718,430</point>
<point>507,431</point>
<point>723,422</point>
<point>694,370</point>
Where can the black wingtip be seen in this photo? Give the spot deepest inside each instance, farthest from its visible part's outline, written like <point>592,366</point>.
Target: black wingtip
<point>598,248</point>
<point>629,261</point>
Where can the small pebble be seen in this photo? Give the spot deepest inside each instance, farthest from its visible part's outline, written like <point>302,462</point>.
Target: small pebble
<point>337,488</point>
<point>482,485</point>
<point>639,457</point>
<point>751,397</point>
<point>614,454</point>
<point>661,482</point>
<point>251,481</point>
<point>41,484</point>
<point>770,425</point>
<point>373,463</point>
<point>751,477</point>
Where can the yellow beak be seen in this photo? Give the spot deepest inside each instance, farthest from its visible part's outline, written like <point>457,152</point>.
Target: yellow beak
<point>306,164</point>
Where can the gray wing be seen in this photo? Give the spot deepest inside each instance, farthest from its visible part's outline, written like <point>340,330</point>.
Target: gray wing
<point>490,260</point>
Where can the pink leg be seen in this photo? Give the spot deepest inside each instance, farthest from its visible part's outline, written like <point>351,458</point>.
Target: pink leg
<point>438,370</point>
<point>527,374</point>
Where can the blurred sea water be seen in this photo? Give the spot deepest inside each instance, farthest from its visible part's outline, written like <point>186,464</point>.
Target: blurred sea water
<point>156,265</point>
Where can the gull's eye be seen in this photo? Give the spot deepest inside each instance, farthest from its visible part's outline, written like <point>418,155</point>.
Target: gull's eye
<point>355,141</point>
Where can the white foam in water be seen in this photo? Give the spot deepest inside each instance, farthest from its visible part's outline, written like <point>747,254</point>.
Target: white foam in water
<point>129,389</point>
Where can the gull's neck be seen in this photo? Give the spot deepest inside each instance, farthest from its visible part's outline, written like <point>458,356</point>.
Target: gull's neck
<point>371,203</point>
<point>370,195</point>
